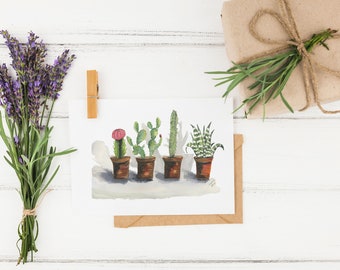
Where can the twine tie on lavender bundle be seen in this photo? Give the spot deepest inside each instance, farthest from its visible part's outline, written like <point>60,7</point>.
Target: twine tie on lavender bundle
<point>32,212</point>
<point>28,212</point>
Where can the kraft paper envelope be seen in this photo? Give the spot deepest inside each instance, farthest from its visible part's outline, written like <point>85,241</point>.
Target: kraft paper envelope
<point>167,220</point>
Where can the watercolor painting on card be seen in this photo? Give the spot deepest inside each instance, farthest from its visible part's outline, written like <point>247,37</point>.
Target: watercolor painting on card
<point>154,152</point>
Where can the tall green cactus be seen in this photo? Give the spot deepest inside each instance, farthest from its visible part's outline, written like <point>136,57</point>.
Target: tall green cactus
<point>119,148</point>
<point>173,133</point>
<point>141,136</point>
<point>152,144</point>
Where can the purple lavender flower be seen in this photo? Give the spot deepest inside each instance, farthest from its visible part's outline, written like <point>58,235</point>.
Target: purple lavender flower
<point>36,84</point>
<point>57,74</point>
<point>9,94</point>
<point>21,161</point>
<point>16,140</point>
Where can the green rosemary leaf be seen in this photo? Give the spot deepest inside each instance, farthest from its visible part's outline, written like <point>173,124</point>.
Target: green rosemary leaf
<point>269,96</point>
<point>222,82</point>
<point>215,72</point>
<point>286,103</point>
<point>286,76</point>
<point>239,107</point>
<point>234,83</point>
<point>253,105</point>
<point>324,45</point>
<point>222,78</point>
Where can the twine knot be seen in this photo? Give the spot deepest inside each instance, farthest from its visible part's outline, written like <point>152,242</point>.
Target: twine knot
<point>32,212</point>
<point>28,212</point>
<point>301,49</point>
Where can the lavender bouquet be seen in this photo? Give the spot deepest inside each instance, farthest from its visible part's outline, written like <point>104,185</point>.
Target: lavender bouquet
<point>27,100</point>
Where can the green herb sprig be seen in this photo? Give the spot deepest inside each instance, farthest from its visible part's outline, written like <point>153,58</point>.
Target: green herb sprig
<point>270,74</point>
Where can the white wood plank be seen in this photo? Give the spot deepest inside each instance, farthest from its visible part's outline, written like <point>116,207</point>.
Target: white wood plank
<point>173,265</point>
<point>290,154</point>
<point>113,20</point>
<point>277,226</point>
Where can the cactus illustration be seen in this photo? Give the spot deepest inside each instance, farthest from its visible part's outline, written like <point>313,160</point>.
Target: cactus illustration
<point>173,163</point>
<point>119,146</point>
<point>204,149</point>
<point>152,144</point>
<point>201,142</point>
<point>137,148</point>
<point>173,133</point>
<point>145,165</point>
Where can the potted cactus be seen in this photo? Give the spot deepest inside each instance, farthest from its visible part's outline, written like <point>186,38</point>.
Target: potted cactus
<point>119,160</point>
<point>204,150</point>
<point>146,164</point>
<point>172,163</point>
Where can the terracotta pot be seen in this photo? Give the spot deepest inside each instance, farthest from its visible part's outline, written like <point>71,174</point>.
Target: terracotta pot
<point>203,167</point>
<point>120,167</point>
<point>145,168</point>
<point>172,167</point>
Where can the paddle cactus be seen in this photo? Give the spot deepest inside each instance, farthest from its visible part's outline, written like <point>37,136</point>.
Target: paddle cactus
<point>137,148</point>
<point>152,144</point>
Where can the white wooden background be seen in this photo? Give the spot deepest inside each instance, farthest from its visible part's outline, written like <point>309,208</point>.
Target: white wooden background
<point>157,48</point>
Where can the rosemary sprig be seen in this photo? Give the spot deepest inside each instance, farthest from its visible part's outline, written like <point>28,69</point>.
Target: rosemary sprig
<point>270,74</point>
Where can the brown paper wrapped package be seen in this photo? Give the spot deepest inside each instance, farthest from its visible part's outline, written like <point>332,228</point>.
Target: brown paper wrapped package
<point>311,16</point>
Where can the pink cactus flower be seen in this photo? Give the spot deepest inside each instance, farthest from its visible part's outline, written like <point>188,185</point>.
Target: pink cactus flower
<point>118,134</point>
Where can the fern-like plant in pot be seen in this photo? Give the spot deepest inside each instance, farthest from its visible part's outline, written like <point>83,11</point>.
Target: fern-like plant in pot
<point>172,163</point>
<point>204,150</point>
<point>146,164</point>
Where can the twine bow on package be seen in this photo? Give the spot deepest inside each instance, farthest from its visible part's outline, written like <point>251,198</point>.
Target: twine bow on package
<point>254,29</point>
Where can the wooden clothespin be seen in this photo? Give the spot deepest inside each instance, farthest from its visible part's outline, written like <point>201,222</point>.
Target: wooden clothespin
<point>92,93</point>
